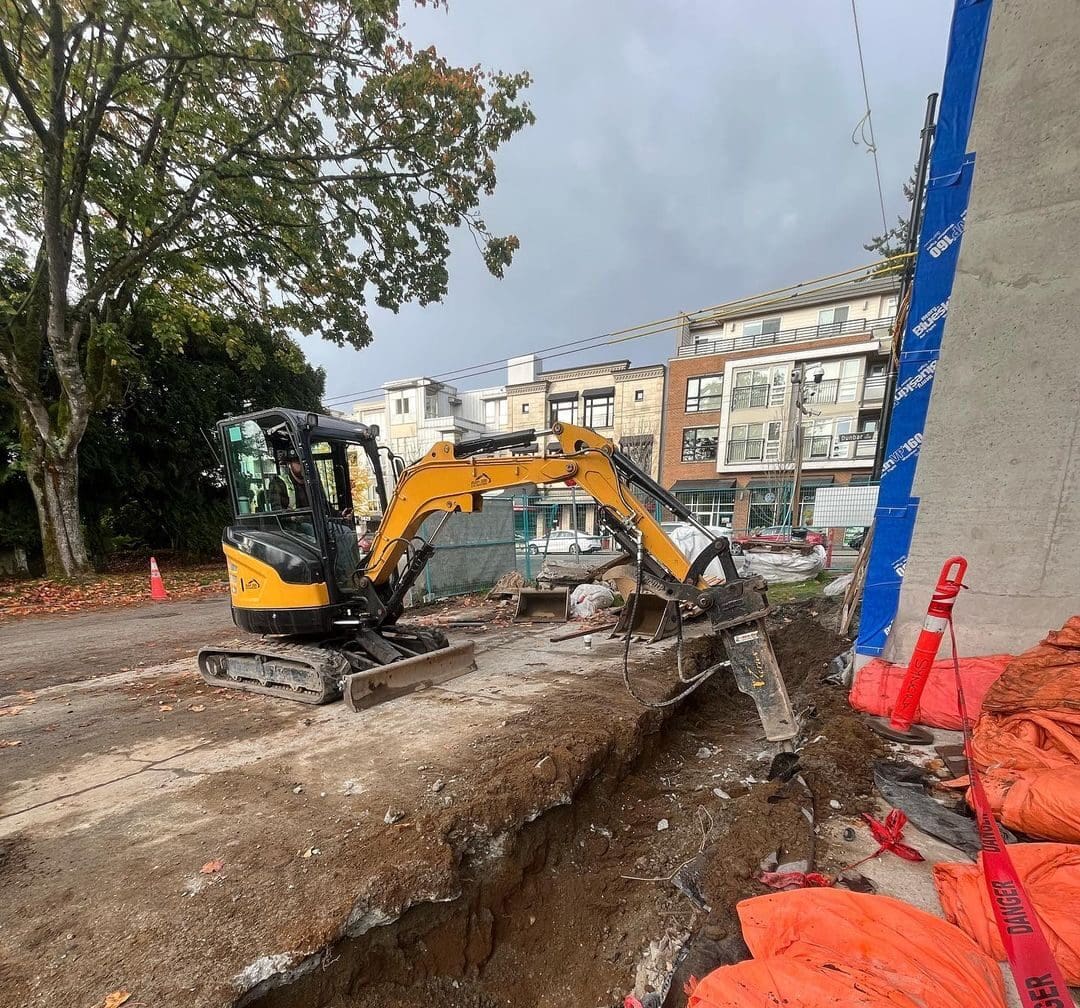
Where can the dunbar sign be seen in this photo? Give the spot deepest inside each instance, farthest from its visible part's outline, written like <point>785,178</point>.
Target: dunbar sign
<point>866,435</point>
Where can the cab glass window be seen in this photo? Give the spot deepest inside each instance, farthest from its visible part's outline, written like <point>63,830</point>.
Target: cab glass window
<point>262,469</point>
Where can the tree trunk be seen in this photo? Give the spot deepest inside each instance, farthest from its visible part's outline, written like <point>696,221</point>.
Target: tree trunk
<point>54,480</point>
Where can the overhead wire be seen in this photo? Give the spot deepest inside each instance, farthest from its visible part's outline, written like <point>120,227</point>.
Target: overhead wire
<point>868,120</point>
<point>744,305</point>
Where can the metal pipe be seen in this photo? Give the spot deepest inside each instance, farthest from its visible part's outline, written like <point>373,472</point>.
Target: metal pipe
<point>914,223</point>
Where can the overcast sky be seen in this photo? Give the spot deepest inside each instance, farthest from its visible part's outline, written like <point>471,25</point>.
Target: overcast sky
<point>685,152</point>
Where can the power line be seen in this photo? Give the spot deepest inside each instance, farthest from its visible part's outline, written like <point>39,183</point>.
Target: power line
<point>868,119</point>
<point>744,305</point>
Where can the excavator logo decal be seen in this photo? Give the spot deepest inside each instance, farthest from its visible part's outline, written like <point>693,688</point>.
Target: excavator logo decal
<point>482,480</point>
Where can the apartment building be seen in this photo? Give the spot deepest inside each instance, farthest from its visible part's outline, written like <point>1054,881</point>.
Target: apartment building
<point>413,414</point>
<point>730,413</point>
<point>621,402</point>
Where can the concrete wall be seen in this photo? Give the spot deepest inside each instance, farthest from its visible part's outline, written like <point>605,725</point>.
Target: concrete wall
<point>999,470</point>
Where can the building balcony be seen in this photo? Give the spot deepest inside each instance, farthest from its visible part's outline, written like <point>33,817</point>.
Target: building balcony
<point>804,334</point>
<point>874,389</point>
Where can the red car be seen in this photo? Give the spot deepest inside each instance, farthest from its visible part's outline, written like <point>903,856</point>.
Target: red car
<point>782,533</point>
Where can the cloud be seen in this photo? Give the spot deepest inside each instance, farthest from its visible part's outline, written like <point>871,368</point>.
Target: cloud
<point>684,153</point>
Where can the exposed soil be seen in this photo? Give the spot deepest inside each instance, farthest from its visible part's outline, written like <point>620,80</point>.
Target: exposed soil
<point>597,897</point>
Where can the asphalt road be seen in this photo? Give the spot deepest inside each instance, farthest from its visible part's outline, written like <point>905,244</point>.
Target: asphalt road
<point>60,649</point>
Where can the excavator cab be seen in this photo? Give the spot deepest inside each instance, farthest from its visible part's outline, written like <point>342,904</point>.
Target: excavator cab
<point>292,547</point>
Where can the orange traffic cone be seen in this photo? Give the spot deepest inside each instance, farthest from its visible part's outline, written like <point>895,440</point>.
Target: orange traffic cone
<point>157,586</point>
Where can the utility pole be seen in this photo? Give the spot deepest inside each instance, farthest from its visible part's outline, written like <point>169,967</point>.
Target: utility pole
<point>798,383</point>
<point>914,223</point>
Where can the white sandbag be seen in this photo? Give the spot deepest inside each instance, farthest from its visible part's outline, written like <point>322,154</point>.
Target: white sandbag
<point>839,586</point>
<point>785,566</point>
<point>588,599</point>
<point>692,541</point>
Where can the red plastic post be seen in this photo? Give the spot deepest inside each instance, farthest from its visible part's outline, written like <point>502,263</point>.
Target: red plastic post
<point>926,647</point>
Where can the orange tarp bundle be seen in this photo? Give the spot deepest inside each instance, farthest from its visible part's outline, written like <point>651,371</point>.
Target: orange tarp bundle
<point>877,685</point>
<point>1050,874</point>
<point>1026,743</point>
<point>819,948</point>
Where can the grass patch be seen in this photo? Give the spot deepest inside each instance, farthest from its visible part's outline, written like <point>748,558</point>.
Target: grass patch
<point>796,590</point>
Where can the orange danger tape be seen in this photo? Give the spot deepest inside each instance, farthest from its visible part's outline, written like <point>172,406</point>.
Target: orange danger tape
<point>1038,978</point>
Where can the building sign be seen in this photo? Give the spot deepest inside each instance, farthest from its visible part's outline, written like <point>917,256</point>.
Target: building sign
<point>866,435</point>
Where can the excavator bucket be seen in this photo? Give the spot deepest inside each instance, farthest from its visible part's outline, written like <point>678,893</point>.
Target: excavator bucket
<point>654,617</point>
<point>384,682</point>
<point>543,605</point>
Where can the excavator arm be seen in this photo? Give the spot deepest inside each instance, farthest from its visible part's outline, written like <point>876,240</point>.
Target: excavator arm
<point>451,478</point>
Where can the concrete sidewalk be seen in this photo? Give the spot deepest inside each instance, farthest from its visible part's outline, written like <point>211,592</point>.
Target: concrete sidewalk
<point>125,785</point>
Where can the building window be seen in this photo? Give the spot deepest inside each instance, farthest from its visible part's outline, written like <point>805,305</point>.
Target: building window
<point>401,406</point>
<point>817,441</point>
<point>699,444</point>
<point>639,449</point>
<point>746,443</point>
<point>563,411</point>
<point>751,388</point>
<point>600,411</point>
<point>833,316</point>
<point>890,305</point>
<point>495,412</point>
<point>639,395</point>
<point>431,404</point>
<point>764,507</point>
<point>524,407</point>
<point>710,507</point>
<point>761,327</point>
<point>704,393</point>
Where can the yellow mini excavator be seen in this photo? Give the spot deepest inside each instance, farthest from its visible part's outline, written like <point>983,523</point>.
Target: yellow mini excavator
<point>329,615</point>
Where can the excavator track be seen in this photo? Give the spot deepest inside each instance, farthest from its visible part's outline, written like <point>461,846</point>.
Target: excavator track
<point>300,672</point>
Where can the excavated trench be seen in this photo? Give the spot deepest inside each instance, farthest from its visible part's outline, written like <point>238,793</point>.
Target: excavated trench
<point>632,885</point>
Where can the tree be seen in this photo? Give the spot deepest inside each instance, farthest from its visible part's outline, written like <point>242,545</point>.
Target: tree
<point>161,160</point>
<point>894,241</point>
<point>148,473</point>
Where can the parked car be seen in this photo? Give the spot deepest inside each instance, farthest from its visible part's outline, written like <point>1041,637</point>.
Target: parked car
<point>565,541</point>
<point>782,533</point>
<point>855,537</point>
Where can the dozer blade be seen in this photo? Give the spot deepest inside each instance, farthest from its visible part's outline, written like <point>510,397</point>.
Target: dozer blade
<point>373,686</point>
<point>758,676</point>
<point>300,672</point>
<point>654,617</point>
<point>543,605</point>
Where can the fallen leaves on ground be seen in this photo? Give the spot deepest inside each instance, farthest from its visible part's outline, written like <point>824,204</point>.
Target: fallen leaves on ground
<point>198,708</point>
<point>44,597</point>
<point>116,998</point>
<point>8,743</point>
<point>212,866</point>
<point>9,711</point>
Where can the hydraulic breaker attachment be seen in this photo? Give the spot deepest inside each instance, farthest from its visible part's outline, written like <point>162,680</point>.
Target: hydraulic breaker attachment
<point>543,605</point>
<point>758,676</point>
<point>384,682</point>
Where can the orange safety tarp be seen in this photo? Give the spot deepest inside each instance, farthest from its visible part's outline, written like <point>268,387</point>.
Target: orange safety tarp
<point>886,952</point>
<point>877,685</point>
<point>1050,874</point>
<point>1026,742</point>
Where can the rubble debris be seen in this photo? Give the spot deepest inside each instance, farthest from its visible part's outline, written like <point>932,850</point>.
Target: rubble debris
<point>662,825</point>
<point>507,586</point>
<point>393,816</point>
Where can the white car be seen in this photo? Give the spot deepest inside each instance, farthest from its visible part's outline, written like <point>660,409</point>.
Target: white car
<point>565,541</point>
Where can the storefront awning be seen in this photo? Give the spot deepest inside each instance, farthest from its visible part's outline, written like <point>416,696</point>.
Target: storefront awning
<point>596,393</point>
<point>563,397</point>
<point>788,479</point>
<point>716,484</point>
